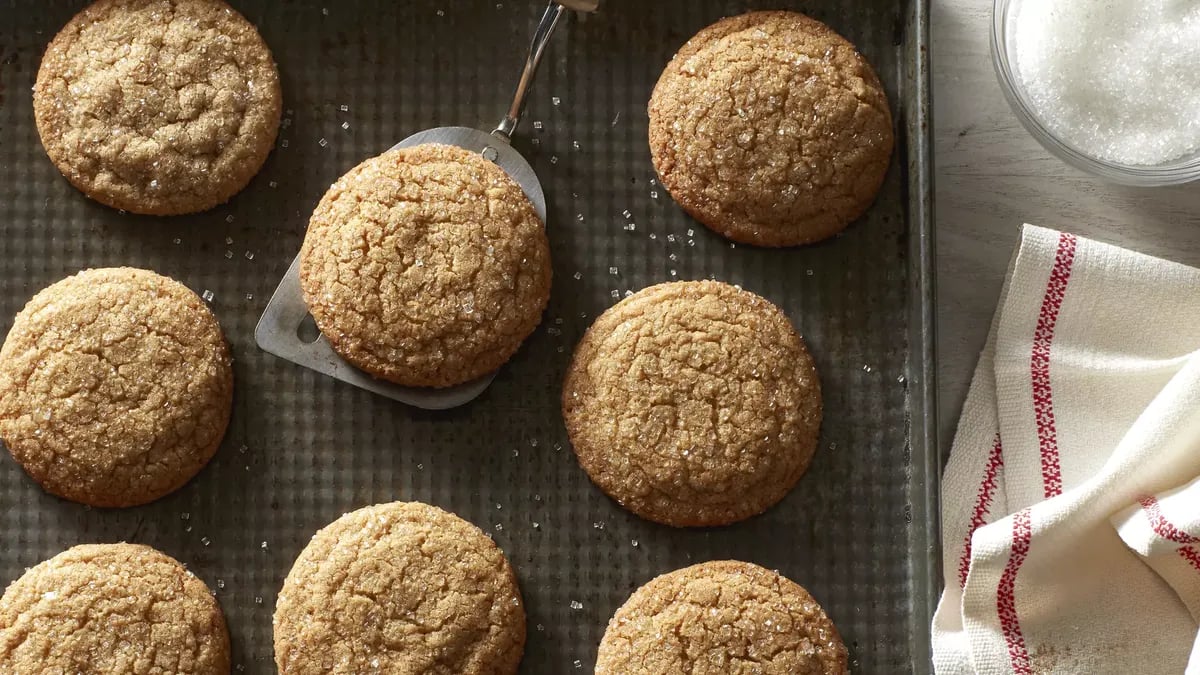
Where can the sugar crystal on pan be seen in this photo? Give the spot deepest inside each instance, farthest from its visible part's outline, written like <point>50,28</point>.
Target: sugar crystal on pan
<point>1117,79</point>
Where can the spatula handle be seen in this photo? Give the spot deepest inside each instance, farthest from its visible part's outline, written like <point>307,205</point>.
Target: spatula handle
<point>537,48</point>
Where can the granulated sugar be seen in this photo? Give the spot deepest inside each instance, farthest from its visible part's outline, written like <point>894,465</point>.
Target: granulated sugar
<point>1117,79</point>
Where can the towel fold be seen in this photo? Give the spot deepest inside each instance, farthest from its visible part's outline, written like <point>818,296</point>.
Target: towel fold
<point>1070,505</point>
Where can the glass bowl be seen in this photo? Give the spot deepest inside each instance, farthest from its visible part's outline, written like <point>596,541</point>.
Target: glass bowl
<point>1176,172</point>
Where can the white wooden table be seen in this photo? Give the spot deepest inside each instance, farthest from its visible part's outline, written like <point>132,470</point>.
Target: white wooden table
<point>991,176</point>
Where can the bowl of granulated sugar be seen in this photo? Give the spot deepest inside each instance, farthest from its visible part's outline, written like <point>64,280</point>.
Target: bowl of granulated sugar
<point>1110,86</point>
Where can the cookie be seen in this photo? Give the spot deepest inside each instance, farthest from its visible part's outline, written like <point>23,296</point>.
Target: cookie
<point>400,588</point>
<point>115,387</point>
<point>721,618</point>
<point>112,608</point>
<point>693,404</point>
<point>771,129</point>
<point>426,266</point>
<point>159,107</point>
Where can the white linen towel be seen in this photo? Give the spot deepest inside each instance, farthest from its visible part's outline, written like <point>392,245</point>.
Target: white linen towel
<point>1071,501</point>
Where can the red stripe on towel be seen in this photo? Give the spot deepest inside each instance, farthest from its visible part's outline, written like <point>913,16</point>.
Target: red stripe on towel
<point>1006,601</point>
<point>983,505</point>
<point>1189,554</point>
<point>1163,527</point>
<point>1043,337</point>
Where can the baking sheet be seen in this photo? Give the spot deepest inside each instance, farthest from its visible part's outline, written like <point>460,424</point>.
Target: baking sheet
<point>859,530</point>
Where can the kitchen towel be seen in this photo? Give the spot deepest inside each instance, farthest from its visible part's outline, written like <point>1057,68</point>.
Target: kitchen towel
<point>1070,506</point>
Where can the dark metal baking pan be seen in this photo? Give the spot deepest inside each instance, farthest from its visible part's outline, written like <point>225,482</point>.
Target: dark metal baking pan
<point>859,530</point>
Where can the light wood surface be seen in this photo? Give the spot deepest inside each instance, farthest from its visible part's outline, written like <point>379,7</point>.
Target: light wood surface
<point>991,176</point>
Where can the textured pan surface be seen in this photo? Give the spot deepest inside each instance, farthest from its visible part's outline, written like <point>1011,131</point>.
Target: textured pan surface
<point>858,531</point>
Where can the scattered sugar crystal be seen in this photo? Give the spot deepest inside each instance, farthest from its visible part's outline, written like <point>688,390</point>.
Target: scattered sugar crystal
<point>671,238</point>
<point>229,219</point>
<point>325,11</point>
<point>654,194</point>
<point>541,628</point>
<point>258,599</point>
<point>264,546</point>
<point>249,297</point>
<point>185,516</point>
<point>598,525</point>
<point>578,663</point>
<point>673,273</point>
<point>322,142</point>
<point>810,273</point>
<point>220,583</point>
<point>345,125</point>
<point>537,525</point>
<point>533,442</point>
<point>579,217</point>
<point>575,604</point>
<point>613,271</point>
<point>205,540</point>
<point>207,295</point>
<point>628,293</point>
<point>1115,78</point>
<point>441,12</point>
<point>499,527</point>
<point>616,294</point>
<point>901,379</point>
<point>283,143</point>
<point>634,542</point>
<point>578,276</point>
<point>273,184</point>
<point>575,144</point>
<point>556,100</point>
<point>536,142</point>
<point>653,236</point>
<point>344,108</point>
<point>554,159</point>
<point>228,255</point>
<point>178,241</point>
<point>499,507</point>
<point>691,232</point>
<point>420,467</point>
<point>616,118</point>
<point>249,255</point>
<point>627,213</point>
<point>538,125</point>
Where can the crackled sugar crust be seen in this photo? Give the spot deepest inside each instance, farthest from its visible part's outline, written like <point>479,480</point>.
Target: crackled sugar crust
<point>721,618</point>
<point>115,387</point>
<point>112,608</point>
<point>400,588</point>
<point>771,129</point>
<point>159,107</point>
<point>426,266</point>
<point>693,404</point>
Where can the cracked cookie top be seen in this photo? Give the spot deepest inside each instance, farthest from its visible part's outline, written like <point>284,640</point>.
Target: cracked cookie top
<point>112,608</point>
<point>426,266</point>
<point>159,107</point>
<point>771,129</point>
<point>400,588</point>
<point>693,403</point>
<point>721,618</point>
<point>115,387</point>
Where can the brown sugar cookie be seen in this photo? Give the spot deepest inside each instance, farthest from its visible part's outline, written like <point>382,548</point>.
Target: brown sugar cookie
<point>160,107</point>
<point>693,403</point>
<point>771,129</point>
<point>112,608</point>
<point>400,588</point>
<point>115,387</point>
<point>426,266</point>
<point>721,618</point>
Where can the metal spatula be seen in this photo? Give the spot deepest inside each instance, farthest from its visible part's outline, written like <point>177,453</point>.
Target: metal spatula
<point>285,323</point>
